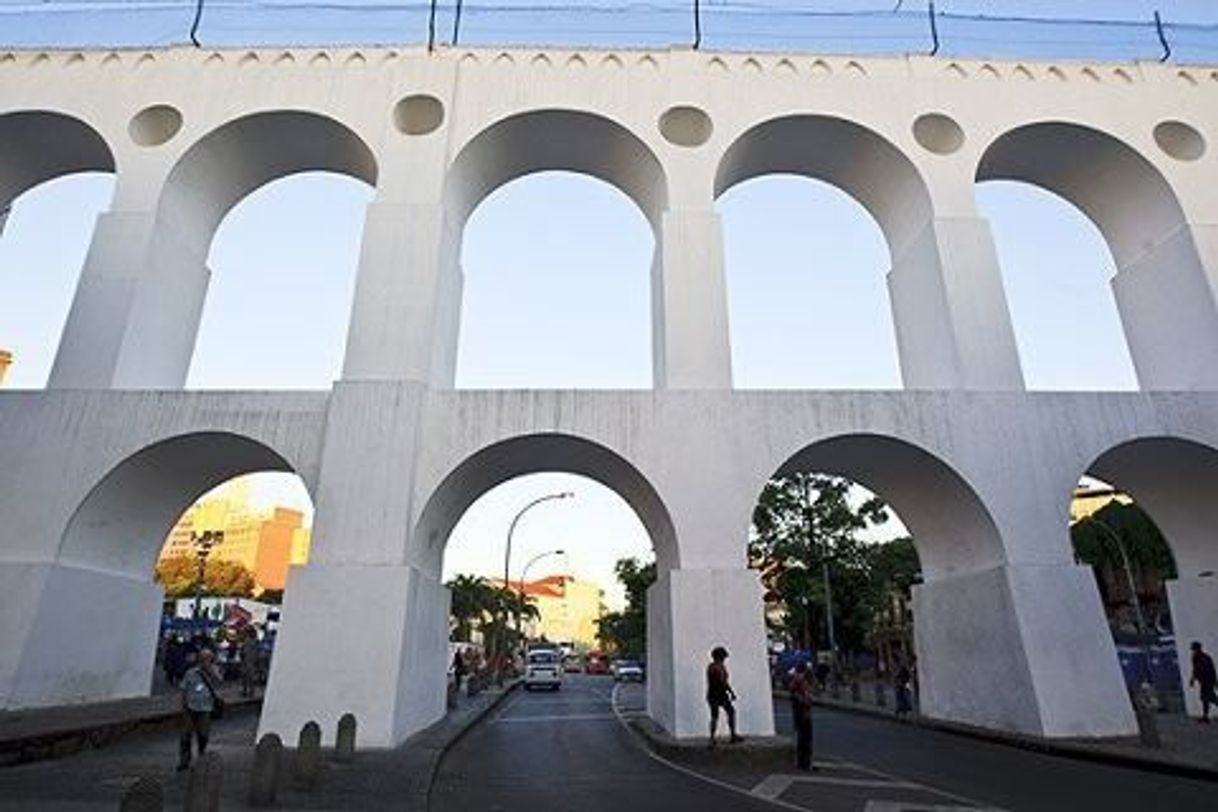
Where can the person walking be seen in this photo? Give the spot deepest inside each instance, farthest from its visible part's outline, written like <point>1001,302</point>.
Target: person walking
<point>719,694</point>
<point>200,699</point>
<point>801,712</point>
<point>1205,678</point>
<point>904,694</point>
<point>248,655</point>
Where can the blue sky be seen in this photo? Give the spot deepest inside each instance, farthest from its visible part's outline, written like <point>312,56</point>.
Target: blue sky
<point>557,295</point>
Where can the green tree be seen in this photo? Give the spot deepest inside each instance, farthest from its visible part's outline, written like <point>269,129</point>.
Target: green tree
<point>625,632</point>
<point>472,600</point>
<point>178,575</point>
<point>803,523</point>
<point>1144,544</point>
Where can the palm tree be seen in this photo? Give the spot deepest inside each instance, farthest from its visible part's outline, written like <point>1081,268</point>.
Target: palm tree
<point>472,600</point>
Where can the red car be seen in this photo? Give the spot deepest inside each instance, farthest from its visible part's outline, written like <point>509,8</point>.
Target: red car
<point>595,663</point>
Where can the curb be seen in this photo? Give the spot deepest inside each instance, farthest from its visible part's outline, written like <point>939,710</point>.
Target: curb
<point>434,752</point>
<point>66,740</point>
<point>1063,749</point>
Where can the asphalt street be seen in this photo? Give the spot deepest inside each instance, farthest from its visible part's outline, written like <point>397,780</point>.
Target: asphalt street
<point>568,750</point>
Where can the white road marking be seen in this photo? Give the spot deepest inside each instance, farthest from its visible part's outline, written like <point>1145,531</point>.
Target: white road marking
<point>777,783</point>
<point>572,717</point>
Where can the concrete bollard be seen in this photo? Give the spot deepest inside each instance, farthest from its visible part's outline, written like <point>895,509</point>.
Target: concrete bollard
<point>881,695</point>
<point>264,780</point>
<point>344,742</point>
<point>856,691</point>
<point>307,767</point>
<point>1148,724</point>
<point>143,795</point>
<point>206,780</point>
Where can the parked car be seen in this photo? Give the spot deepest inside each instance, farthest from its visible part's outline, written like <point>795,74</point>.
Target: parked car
<point>543,668</point>
<point>627,671</point>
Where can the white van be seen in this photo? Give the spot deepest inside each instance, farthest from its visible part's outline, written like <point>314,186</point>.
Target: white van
<point>543,667</point>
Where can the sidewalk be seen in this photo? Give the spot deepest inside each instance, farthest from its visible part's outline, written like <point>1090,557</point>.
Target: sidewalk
<point>96,779</point>
<point>40,733</point>
<point>1188,748</point>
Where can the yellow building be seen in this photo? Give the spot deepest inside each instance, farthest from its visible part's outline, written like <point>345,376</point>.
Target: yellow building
<point>265,542</point>
<point>569,609</point>
<point>1091,498</point>
<point>6,361</point>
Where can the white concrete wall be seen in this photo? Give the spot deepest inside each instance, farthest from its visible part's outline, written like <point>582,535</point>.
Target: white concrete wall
<point>394,455</point>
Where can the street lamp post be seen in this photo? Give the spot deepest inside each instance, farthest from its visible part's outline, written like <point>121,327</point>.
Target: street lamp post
<point>1139,618</point>
<point>524,577</point>
<point>203,542</point>
<point>507,553</point>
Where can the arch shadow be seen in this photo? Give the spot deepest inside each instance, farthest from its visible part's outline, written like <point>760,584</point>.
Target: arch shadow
<point>40,145</point>
<point>540,453</point>
<point>951,527</point>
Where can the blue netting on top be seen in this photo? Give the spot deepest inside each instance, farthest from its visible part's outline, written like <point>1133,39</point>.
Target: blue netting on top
<point>887,27</point>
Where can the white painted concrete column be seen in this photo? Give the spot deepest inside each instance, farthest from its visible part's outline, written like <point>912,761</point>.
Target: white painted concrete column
<point>1168,298</point>
<point>73,634</point>
<point>1194,615</point>
<point>364,626</point>
<point>406,315</point>
<point>135,317</point>
<point>690,343</point>
<point>689,612</point>
<point>949,310</point>
<point>1020,647</point>
<point>93,334</point>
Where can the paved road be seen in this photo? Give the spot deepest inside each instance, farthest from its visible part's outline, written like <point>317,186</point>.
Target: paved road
<point>567,750</point>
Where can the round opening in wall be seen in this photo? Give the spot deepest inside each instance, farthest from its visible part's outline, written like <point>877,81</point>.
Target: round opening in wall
<point>155,125</point>
<point>686,126</point>
<point>938,133</point>
<point>418,114</point>
<point>1179,140</point>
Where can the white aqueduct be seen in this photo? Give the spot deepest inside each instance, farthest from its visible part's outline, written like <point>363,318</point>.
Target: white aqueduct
<point>1010,631</point>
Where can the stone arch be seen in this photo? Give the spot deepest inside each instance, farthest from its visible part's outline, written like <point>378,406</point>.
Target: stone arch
<point>120,525</point>
<point>233,160</point>
<point>105,564</point>
<point>212,176</point>
<point>847,155</point>
<point>539,141</point>
<point>507,459</point>
<point>554,139</point>
<point>1174,479</point>
<point>1159,269</point>
<point>887,184</point>
<point>41,145</point>
<point>952,528</point>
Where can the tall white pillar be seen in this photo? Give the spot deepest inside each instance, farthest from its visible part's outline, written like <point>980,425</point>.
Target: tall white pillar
<point>949,309</point>
<point>690,344</point>
<point>406,315</point>
<point>365,623</point>
<point>1168,298</point>
<point>93,334</point>
<point>689,612</point>
<point>1022,648</point>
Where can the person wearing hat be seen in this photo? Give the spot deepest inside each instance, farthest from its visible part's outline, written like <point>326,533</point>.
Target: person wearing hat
<point>719,694</point>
